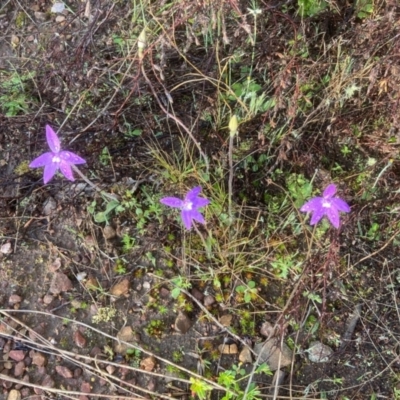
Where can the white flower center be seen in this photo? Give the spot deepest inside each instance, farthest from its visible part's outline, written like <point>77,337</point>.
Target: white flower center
<point>56,159</point>
<point>326,204</point>
<point>187,205</point>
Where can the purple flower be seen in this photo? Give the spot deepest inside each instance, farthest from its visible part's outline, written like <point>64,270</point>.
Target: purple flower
<point>326,205</point>
<point>56,159</point>
<point>189,206</point>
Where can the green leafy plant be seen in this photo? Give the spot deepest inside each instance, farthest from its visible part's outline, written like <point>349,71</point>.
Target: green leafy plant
<point>364,8</point>
<point>179,283</point>
<point>284,264</point>
<point>249,291</point>
<point>309,8</point>
<point>14,99</point>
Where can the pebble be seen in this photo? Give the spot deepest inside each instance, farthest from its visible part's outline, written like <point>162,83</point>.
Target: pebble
<point>79,339</point>
<point>14,395</point>
<point>109,232</point>
<point>60,283</point>
<point>267,329</point>
<point>226,320</point>
<point>148,363</point>
<point>17,355</point>
<point>245,355</point>
<point>110,369</point>
<point>225,348</point>
<point>38,359</point>
<point>182,323</point>
<point>60,18</point>
<point>164,292</point>
<point>85,387</point>
<point>120,288</point>
<point>209,300</point>
<point>272,353</point>
<point>64,372</point>
<point>319,352</point>
<point>197,294</point>
<point>6,248</point>
<point>48,381</point>
<point>19,368</point>
<point>47,299</point>
<point>14,299</point>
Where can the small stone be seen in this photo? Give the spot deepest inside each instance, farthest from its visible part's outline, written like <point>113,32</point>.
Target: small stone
<point>14,395</point>
<point>38,359</point>
<point>48,382</point>
<point>164,293</point>
<point>126,334</point>
<point>77,372</point>
<point>60,283</point>
<point>25,379</point>
<point>109,232</point>
<point>209,300</point>
<point>245,355</point>
<point>55,265</point>
<point>120,288</point>
<point>148,363</point>
<point>96,351</point>
<point>14,299</point>
<point>19,368</point>
<point>267,329</point>
<point>225,348</point>
<point>64,372</point>
<point>79,339</point>
<point>110,369</point>
<point>226,320</point>
<point>6,248</point>
<point>17,355</point>
<point>8,365</point>
<point>197,294</point>
<point>40,16</point>
<point>182,323</point>
<point>319,352</point>
<point>60,18</point>
<point>271,353</point>
<point>49,206</point>
<point>85,387</point>
<point>47,299</point>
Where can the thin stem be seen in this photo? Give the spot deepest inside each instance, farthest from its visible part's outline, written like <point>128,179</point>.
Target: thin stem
<point>94,186</point>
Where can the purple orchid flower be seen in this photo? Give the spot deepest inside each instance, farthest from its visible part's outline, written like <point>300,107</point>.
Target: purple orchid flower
<point>56,159</point>
<point>189,206</point>
<point>326,205</point>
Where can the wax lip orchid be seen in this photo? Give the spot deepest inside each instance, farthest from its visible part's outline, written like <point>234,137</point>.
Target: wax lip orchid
<point>326,205</point>
<point>56,159</point>
<point>189,206</point>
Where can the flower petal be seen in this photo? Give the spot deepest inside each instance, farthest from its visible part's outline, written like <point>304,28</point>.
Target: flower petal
<point>66,170</point>
<point>330,190</point>
<point>172,202</point>
<point>200,202</point>
<point>333,215</point>
<point>312,204</point>
<point>71,158</point>
<point>192,194</point>
<point>42,160</point>
<point>49,170</point>
<point>187,218</point>
<point>197,216</point>
<point>52,139</point>
<point>340,205</point>
<point>317,215</point>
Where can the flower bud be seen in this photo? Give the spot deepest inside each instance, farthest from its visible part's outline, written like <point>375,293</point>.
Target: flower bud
<point>233,125</point>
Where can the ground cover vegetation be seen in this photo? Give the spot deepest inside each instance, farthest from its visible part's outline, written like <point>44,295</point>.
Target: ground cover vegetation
<point>199,199</point>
